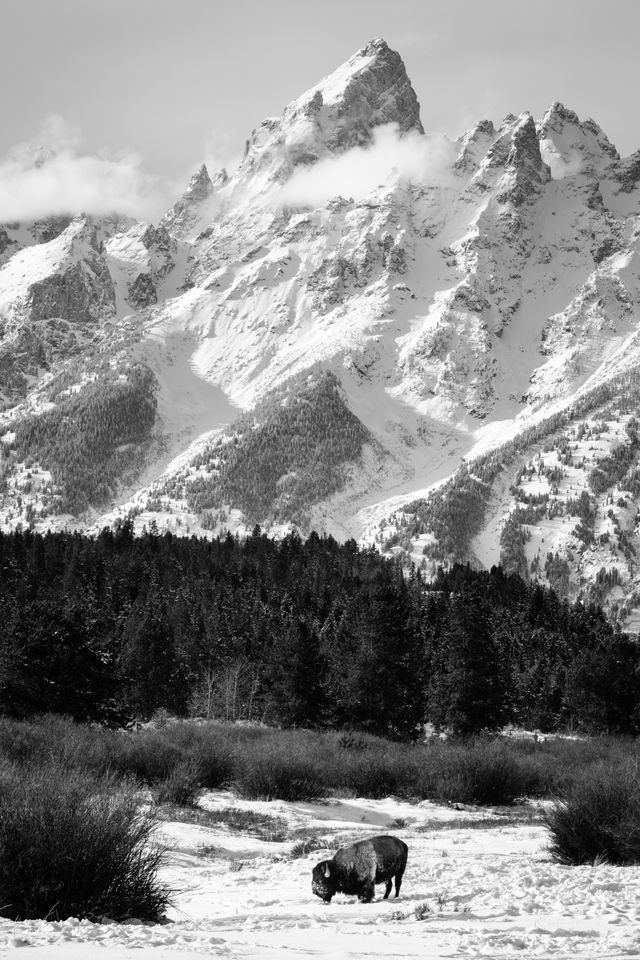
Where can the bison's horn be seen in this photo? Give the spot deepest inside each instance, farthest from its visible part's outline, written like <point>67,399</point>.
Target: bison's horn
<point>327,872</point>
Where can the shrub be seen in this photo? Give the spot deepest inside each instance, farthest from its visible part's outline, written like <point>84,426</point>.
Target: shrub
<point>599,819</point>
<point>301,764</point>
<point>262,825</point>
<point>269,775</point>
<point>148,755</point>
<point>182,786</point>
<point>422,911</point>
<point>52,737</point>
<point>216,768</point>
<point>209,748</point>
<point>479,772</point>
<point>303,847</point>
<point>75,845</point>
<point>372,774</point>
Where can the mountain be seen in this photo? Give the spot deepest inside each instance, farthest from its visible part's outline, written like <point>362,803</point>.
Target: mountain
<point>426,344</point>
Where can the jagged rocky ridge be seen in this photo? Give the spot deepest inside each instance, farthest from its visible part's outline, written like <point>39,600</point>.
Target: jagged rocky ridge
<point>476,292</point>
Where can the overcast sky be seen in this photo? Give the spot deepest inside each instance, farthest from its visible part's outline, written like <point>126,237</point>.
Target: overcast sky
<point>175,81</point>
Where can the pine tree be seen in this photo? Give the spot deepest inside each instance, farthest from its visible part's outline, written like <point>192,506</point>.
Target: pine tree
<point>468,690</point>
<point>292,677</point>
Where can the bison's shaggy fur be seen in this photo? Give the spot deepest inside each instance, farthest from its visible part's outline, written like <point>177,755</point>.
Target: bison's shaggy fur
<point>357,868</point>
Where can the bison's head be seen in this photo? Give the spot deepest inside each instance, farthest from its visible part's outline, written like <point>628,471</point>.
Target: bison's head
<point>322,881</point>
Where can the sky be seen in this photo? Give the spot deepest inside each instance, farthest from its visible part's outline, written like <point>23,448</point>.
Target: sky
<point>142,91</point>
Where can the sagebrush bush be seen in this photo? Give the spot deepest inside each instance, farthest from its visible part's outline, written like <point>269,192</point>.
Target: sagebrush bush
<point>370,773</point>
<point>268,774</point>
<point>56,738</point>
<point>262,825</point>
<point>599,818</point>
<point>308,845</point>
<point>483,772</point>
<point>182,786</point>
<point>72,844</point>
<point>211,747</point>
<point>148,755</point>
<point>301,764</point>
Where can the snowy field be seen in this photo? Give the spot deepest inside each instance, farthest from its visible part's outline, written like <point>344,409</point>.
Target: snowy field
<point>479,883</point>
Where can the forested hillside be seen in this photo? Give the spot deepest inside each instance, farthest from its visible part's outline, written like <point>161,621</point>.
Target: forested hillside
<point>89,439</point>
<point>291,451</point>
<point>561,501</point>
<point>297,633</point>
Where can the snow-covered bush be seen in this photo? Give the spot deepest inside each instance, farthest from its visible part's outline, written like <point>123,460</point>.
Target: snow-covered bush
<point>75,845</point>
<point>599,819</point>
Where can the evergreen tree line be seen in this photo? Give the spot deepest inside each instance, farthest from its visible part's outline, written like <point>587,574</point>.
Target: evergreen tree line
<point>298,633</point>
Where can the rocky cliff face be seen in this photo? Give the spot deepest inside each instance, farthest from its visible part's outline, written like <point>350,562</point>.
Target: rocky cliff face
<point>342,111</point>
<point>142,263</point>
<point>570,146</point>
<point>471,290</point>
<point>189,208</point>
<point>53,295</point>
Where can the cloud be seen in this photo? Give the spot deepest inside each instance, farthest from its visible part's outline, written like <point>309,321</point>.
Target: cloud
<point>566,164</point>
<point>390,157</point>
<point>49,175</point>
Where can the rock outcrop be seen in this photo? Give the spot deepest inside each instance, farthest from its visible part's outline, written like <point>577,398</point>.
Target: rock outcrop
<point>571,146</point>
<point>342,111</point>
<point>64,277</point>
<point>188,209</point>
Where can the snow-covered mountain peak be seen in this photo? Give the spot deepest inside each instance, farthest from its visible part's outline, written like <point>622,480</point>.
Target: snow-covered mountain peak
<point>513,158</point>
<point>188,210</point>
<point>370,90</point>
<point>32,263</point>
<point>525,160</point>
<point>200,185</point>
<point>571,146</point>
<point>474,144</point>
<point>51,295</point>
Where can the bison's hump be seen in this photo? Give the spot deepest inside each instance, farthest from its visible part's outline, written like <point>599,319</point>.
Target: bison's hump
<point>374,857</point>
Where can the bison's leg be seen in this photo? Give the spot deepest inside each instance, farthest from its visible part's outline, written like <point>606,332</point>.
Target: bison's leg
<point>367,891</point>
<point>387,889</point>
<point>399,876</point>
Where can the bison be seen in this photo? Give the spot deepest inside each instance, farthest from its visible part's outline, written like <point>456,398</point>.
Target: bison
<point>357,868</point>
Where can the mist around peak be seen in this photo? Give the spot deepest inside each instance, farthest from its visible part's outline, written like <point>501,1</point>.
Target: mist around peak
<point>50,175</point>
<point>392,156</point>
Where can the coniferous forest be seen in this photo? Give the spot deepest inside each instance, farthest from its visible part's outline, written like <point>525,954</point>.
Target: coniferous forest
<point>300,634</point>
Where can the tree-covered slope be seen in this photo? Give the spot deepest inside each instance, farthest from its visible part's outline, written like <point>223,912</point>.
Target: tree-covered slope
<point>560,502</point>
<point>87,440</point>
<point>292,450</point>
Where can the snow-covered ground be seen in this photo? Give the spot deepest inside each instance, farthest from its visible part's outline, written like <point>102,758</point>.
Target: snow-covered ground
<point>478,884</point>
